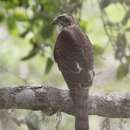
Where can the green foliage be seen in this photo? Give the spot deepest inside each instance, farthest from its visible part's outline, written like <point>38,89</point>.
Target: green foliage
<point>122,71</point>
<point>25,17</point>
<point>20,14</point>
<point>98,50</point>
<point>33,52</point>
<point>49,33</point>
<point>83,25</point>
<point>116,26</point>
<point>49,64</point>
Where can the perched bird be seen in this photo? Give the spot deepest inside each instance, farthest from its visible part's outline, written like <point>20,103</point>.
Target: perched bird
<point>74,56</point>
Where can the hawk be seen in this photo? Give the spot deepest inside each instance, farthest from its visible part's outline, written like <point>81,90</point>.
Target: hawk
<point>74,55</point>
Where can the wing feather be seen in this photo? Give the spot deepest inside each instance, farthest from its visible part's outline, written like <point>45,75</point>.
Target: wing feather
<point>73,53</point>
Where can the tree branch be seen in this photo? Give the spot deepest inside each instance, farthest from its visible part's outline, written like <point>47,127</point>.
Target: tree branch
<point>50,100</point>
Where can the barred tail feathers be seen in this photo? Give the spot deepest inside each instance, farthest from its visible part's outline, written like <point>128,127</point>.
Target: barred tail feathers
<point>81,112</point>
<point>80,96</point>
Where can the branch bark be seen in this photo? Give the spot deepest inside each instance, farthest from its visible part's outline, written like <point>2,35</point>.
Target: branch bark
<point>51,100</point>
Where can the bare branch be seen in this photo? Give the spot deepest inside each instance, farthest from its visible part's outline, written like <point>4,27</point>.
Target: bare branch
<point>50,100</point>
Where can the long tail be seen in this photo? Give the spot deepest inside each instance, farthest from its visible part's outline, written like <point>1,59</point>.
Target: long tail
<point>81,112</point>
<point>80,98</point>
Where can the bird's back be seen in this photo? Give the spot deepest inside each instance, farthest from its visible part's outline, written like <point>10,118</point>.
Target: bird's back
<point>73,53</point>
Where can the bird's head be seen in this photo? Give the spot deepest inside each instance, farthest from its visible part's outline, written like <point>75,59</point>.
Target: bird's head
<point>63,20</point>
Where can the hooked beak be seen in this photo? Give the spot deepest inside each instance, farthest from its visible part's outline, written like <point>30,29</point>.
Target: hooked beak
<point>54,21</point>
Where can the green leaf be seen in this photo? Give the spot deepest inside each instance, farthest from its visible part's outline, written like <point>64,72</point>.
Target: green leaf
<point>1,16</point>
<point>47,30</point>
<point>122,71</point>
<point>98,50</point>
<point>33,52</point>
<point>83,25</point>
<point>128,59</point>
<point>48,65</point>
<point>126,18</point>
<point>20,14</point>
<point>12,26</point>
<point>104,3</point>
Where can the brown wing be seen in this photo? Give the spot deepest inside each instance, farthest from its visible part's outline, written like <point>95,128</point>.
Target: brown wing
<point>73,53</point>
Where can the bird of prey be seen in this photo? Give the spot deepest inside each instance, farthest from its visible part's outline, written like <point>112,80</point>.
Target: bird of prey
<point>74,55</point>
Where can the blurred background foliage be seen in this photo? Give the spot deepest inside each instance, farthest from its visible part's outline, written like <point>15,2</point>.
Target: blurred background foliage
<point>27,39</point>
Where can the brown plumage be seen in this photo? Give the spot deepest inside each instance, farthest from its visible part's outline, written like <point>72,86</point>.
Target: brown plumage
<point>74,56</point>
